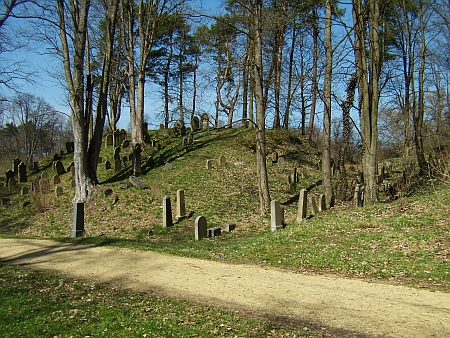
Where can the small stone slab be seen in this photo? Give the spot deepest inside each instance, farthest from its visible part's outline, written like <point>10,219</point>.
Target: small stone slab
<point>123,186</point>
<point>228,227</point>
<point>213,232</point>
<point>137,182</point>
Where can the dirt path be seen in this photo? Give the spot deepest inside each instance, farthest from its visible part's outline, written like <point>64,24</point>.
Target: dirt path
<point>365,309</point>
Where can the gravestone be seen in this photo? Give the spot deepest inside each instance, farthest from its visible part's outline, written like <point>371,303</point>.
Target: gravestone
<point>195,123</point>
<point>73,183</point>
<point>200,228</point>
<point>12,184</point>
<point>9,174</point>
<point>150,161</point>
<point>208,164</point>
<point>109,140</point>
<point>137,182</point>
<point>168,166</point>
<point>130,157</point>
<point>181,205</point>
<point>59,168</point>
<point>22,172</point>
<point>322,203</point>
<point>117,166</point>
<point>222,161</point>
<point>59,191</point>
<point>125,160</point>
<point>35,166</point>
<point>205,121</point>
<point>136,166</point>
<point>117,153</point>
<point>125,144</point>
<point>281,162</point>
<point>15,166</point>
<point>44,176</point>
<point>183,130</point>
<point>274,157</point>
<point>357,197</point>
<point>44,186</point>
<point>24,191</point>
<point>35,185</point>
<point>72,170</point>
<point>107,165</point>
<point>276,216</point>
<point>77,220</point>
<point>213,232</point>
<point>228,227</point>
<point>292,188</point>
<point>302,205</point>
<point>313,204</point>
<point>56,180</point>
<point>70,147</point>
<point>167,213</point>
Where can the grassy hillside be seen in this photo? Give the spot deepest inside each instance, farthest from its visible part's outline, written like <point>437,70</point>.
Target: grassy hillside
<point>404,241</point>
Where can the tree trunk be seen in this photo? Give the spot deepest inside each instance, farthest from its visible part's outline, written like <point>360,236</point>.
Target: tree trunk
<point>326,154</point>
<point>314,74</point>
<point>263,184</point>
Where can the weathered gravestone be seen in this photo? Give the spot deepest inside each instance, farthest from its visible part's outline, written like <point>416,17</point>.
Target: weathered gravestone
<point>125,144</point>
<point>109,140</point>
<point>281,162</point>
<point>107,165</point>
<point>117,166</point>
<point>168,166</point>
<point>222,161</point>
<point>44,186</point>
<point>44,176</point>
<point>59,191</point>
<point>181,205</point>
<point>77,220</point>
<point>9,174</point>
<point>167,220</point>
<point>137,182</point>
<point>313,204</point>
<point>228,227</point>
<point>59,168</point>
<point>302,205</point>
<point>215,231</point>
<point>12,183</point>
<point>205,121</point>
<point>195,123</point>
<point>35,166</point>
<point>276,216</point>
<point>56,180</point>
<point>200,228</point>
<point>35,185</point>
<point>24,191</point>
<point>322,203</point>
<point>358,196</point>
<point>208,164</point>
<point>136,165</point>
<point>22,172</point>
<point>117,153</point>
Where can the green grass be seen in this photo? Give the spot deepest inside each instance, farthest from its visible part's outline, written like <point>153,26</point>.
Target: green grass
<point>37,304</point>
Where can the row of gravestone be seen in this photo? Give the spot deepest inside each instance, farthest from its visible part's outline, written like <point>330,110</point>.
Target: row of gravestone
<point>200,229</point>
<point>196,124</point>
<point>116,138</point>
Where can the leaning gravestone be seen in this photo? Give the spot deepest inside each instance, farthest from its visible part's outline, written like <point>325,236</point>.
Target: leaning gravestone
<point>9,174</point>
<point>167,220</point>
<point>181,205</point>
<point>22,172</point>
<point>302,205</point>
<point>201,230</point>
<point>137,182</point>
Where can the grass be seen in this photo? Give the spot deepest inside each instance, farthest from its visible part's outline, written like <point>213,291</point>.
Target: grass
<point>406,241</point>
<point>38,304</point>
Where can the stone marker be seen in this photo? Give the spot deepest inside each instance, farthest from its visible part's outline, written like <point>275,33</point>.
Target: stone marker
<point>322,203</point>
<point>222,161</point>
<point>24,191</point>
<point>213,232</point>
<point>136,164</point>
<point>77,220</point>
<point>228,227</point>
<point>274,157</point>
<point>161,159</point>
<point>59,168</point>
<point>107,165</point>
<point>302,205</point>
<point>167,213</point>
<point>59,191</point>
<point>22,172</point>
<point>358,199</point>
<point>276,216</point>
<point>200,228</point>
<point>137,182</point>
<point>35,185</point>
<point>205,121</point>
<point>208,164</point>
<point>56,180</point>
<point>195,123</point>
<point>117,166</point>
<point>181,206</point>
<point>168,166</point>
<point>312,203</point>
<point>44,176</point>
<point>125,144</point>
<point>9,174</point>
<point>44,186</point>
<point>12,184</point>
<point>281,162</point>
<point>292,188</point>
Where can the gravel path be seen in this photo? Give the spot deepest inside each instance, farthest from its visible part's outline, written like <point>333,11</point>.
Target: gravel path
<point>340,304</point>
